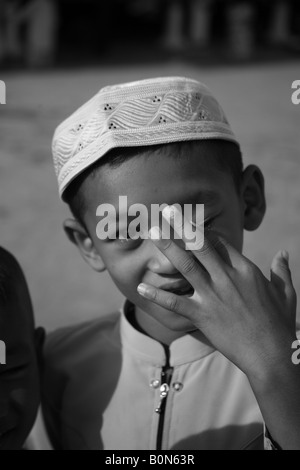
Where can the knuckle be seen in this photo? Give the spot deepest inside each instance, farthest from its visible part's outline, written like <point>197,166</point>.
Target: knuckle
<point>154,295</point>
<point>219,242</point>
<point>172,303</point>
<point>196,245</point>
<point>188,266</point>
<point>165,244</point>
<point>206,250</point>
<point>206,247</point>
<point>216,241</point>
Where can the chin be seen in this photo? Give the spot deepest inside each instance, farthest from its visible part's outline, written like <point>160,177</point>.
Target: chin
<point>171,320</point>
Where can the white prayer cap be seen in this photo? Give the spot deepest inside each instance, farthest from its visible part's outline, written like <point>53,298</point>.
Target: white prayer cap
<point>142,113</point>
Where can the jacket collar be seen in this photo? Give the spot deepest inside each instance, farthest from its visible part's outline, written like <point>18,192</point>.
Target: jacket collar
<point>189,348</point>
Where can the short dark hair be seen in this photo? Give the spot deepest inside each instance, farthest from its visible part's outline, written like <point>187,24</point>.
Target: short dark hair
<point>226,156</point>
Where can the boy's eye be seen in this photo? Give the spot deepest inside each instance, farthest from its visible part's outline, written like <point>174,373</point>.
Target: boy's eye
<point>127,242</point>
<point>207,224</point>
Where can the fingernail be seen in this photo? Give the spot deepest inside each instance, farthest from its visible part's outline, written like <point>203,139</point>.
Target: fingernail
<point>169,212</point>
<point>155,233</point>
<point>142,290</point>
<point>285,255</point>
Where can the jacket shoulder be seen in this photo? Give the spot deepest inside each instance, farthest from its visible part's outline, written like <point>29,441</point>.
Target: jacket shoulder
<point>82,339</point>
<point>74,359</point>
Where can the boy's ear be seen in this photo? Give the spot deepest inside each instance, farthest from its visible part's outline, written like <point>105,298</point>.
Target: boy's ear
<point>253,194</point>
<point>78,235</point>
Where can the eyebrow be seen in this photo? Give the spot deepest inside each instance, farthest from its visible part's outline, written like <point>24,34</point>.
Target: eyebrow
<point>207,196</point>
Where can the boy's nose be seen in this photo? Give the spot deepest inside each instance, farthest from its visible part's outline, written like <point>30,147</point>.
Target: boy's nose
<point>159,263</point>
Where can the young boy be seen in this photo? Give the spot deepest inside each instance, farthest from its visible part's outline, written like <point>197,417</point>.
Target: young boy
<point>200,355</point>
<point>19,377</point>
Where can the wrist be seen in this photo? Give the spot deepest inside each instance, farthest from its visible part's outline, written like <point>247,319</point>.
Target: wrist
<point>274,369</point>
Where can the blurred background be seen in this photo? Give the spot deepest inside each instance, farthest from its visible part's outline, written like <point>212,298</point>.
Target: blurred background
<point>36,33</point>
<point>56,54</point>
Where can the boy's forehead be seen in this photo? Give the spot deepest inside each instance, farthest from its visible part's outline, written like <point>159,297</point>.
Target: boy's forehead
<point>145,113</point>
<point>153,179</point>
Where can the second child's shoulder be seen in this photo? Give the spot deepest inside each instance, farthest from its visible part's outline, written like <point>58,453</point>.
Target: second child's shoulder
<point>83,340</point>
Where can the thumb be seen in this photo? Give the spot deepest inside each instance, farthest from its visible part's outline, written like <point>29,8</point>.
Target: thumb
<point>281,278</point>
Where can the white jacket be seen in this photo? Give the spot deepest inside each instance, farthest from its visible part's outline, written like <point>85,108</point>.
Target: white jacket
<point>102,386</point>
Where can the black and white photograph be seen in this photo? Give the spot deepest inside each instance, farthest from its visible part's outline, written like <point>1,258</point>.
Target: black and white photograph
<point>149,227</point>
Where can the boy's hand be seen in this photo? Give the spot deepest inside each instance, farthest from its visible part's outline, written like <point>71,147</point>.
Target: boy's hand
<point>19,377</point>
<point>248,318</point>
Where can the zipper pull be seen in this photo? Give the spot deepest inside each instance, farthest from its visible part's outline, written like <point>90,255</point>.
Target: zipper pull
<point>164,390</point>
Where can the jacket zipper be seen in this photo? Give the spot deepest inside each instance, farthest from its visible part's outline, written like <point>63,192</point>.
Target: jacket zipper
<point>166,377</point>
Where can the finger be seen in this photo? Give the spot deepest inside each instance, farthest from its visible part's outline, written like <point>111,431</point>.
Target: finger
<point>226,251</point>
<point>281,278</point>
<point>182,260</point>
<point>185,229</point>
<point>167,300</point>
<point>201,247</point>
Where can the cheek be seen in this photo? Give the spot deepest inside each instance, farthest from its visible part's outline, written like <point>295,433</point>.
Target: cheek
<point>234,234</point>
<point>126,269</point>
<point>230,226</point>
